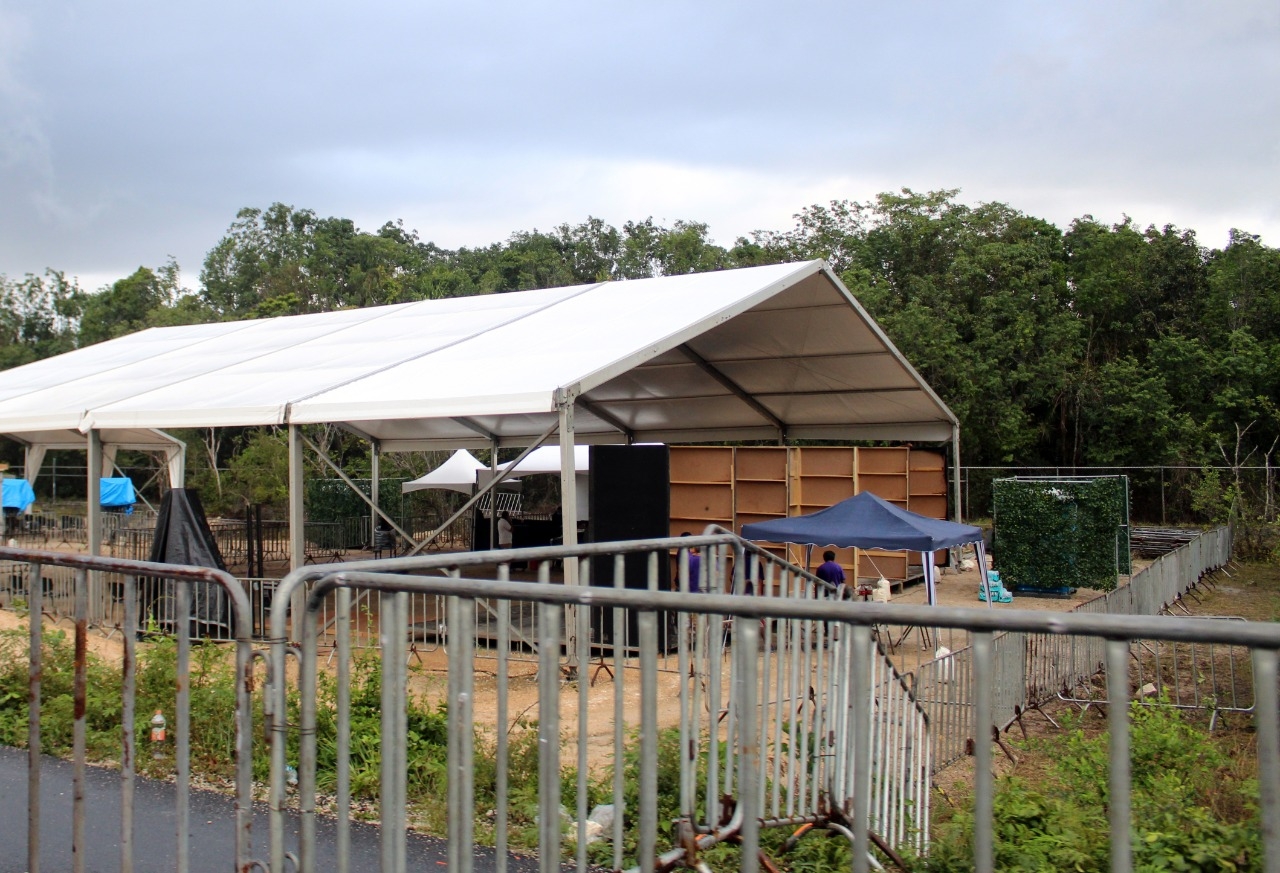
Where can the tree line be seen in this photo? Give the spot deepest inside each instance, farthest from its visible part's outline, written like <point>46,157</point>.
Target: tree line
<point>1098,345</point>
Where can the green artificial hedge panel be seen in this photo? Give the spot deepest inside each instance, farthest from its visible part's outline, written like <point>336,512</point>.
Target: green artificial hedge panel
<point>330,500</point>
<point>1061,533</point>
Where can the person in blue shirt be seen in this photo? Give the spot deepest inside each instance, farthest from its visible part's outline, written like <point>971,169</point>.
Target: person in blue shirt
<point>830,571</point>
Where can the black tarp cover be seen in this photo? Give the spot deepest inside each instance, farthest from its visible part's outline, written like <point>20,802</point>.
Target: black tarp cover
<point>183,537</point>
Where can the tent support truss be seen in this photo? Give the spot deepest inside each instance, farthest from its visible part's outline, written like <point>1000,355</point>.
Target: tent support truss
<point>734,388</point>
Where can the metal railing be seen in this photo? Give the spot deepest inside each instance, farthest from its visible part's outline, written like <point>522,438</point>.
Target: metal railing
<point>770,707</point>
<point>1033,669</point>
<point>185,584</point>
<point>787,712</point>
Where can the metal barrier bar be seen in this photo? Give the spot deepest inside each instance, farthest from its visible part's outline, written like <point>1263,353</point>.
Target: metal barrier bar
<point>80,695</point>
<point>183,579</point>
<point>1120,811</point>
<point>35,642</point>
<point>802,613</point>
<point>1268,723</point>
<point>1034,668</point>
<point>803,672</point>
<point>983,780</point>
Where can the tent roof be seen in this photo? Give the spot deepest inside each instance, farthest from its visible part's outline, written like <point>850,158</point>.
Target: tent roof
<point>458,473</point>
<point>546,459</point>
<point>757,353</point>
<point>865,521</point>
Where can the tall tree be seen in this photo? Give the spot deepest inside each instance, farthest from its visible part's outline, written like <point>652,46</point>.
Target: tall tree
<point>38,317</point>
<point>130,304</point>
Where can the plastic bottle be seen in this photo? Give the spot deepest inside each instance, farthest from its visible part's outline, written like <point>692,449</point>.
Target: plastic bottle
<point>158,726</point>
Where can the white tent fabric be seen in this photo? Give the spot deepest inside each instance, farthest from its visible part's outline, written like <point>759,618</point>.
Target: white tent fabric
<point>458,473</point>
<point>546,459</point>
<point>774,352</point>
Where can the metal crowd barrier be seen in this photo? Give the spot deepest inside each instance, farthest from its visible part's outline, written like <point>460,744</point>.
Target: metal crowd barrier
<point>186,585</point>
<point>786,710</point>
<point>784,719</point>
<point>1033,669</point>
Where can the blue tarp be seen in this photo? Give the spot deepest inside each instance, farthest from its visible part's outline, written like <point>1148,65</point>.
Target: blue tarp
<point>18,494</point>
<point>865,521</point>
<point>117,492</point>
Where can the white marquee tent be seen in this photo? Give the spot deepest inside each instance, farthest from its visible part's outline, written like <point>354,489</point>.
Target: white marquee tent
<point>458,473</point>
<point>779,353</point>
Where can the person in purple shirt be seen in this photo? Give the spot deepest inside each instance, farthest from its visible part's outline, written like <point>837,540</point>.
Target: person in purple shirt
<point>830,571</point>
<point>695,568</point>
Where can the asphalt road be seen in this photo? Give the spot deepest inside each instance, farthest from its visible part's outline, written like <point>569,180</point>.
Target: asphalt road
<point>211,821</point>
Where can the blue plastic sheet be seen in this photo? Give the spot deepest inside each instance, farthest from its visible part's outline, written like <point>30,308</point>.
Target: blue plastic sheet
<point>18,494</point>
<point>118,492</point>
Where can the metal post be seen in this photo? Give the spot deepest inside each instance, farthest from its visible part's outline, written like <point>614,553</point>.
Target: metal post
<point>956,514</point>
<point>548,737</point>
<point>80,692</point>
<point>984,782</point>
<point>374,490</point>
<point>94,523</point>
<point>297,526</point>
<point>493,494</point>
<point>569,521</point>
<point>1119,783</point>
<point>182,725</point>
<point>35,670</point>
<point>1268,732</point>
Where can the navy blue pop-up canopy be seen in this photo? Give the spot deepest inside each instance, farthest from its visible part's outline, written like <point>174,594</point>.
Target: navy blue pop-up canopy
<point>865,521</point>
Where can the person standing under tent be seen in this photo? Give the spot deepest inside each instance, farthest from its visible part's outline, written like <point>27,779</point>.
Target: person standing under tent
<point>829,570</point>
<point>695,567</point>
<point>504,530</point>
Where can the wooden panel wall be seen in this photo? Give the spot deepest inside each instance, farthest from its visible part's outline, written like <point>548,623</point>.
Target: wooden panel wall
<point>732,486</point>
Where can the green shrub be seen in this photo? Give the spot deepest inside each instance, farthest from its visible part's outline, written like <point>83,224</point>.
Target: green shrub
<point>1181,785</point>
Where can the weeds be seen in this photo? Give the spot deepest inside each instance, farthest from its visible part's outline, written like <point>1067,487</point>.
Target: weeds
<point>1191,809</point>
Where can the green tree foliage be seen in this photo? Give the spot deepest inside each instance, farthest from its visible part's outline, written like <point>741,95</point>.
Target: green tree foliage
<point>129,304</point>
<point>1097,345</point>
<point>38,316</point>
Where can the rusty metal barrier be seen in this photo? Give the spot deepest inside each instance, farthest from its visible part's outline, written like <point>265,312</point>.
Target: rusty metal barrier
<point>185,583</point>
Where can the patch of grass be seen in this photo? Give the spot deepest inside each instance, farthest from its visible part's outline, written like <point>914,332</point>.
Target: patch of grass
<point>1250,590</point>
<point>1193,803</point>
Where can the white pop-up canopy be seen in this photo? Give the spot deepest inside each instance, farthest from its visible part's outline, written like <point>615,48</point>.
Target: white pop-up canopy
<point>458,473</point>
<point>545,459</point>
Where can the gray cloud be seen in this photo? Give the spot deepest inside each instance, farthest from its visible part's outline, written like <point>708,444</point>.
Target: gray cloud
<point>131,132</point>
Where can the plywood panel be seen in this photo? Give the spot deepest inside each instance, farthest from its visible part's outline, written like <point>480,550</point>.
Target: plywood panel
<point>892,487</point>
<point>925,459</point>
<point>819,493</point>
<point>821,461</point>
<point>761,462</point>
<point>932,506</point>
<point>702,501</point>
<point>883,460</point>
<point>873,563</point>
<point>761,498</point>
<point>702,464</point>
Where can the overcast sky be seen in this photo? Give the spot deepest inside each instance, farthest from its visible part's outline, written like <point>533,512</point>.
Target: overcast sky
<point>133,131</point>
